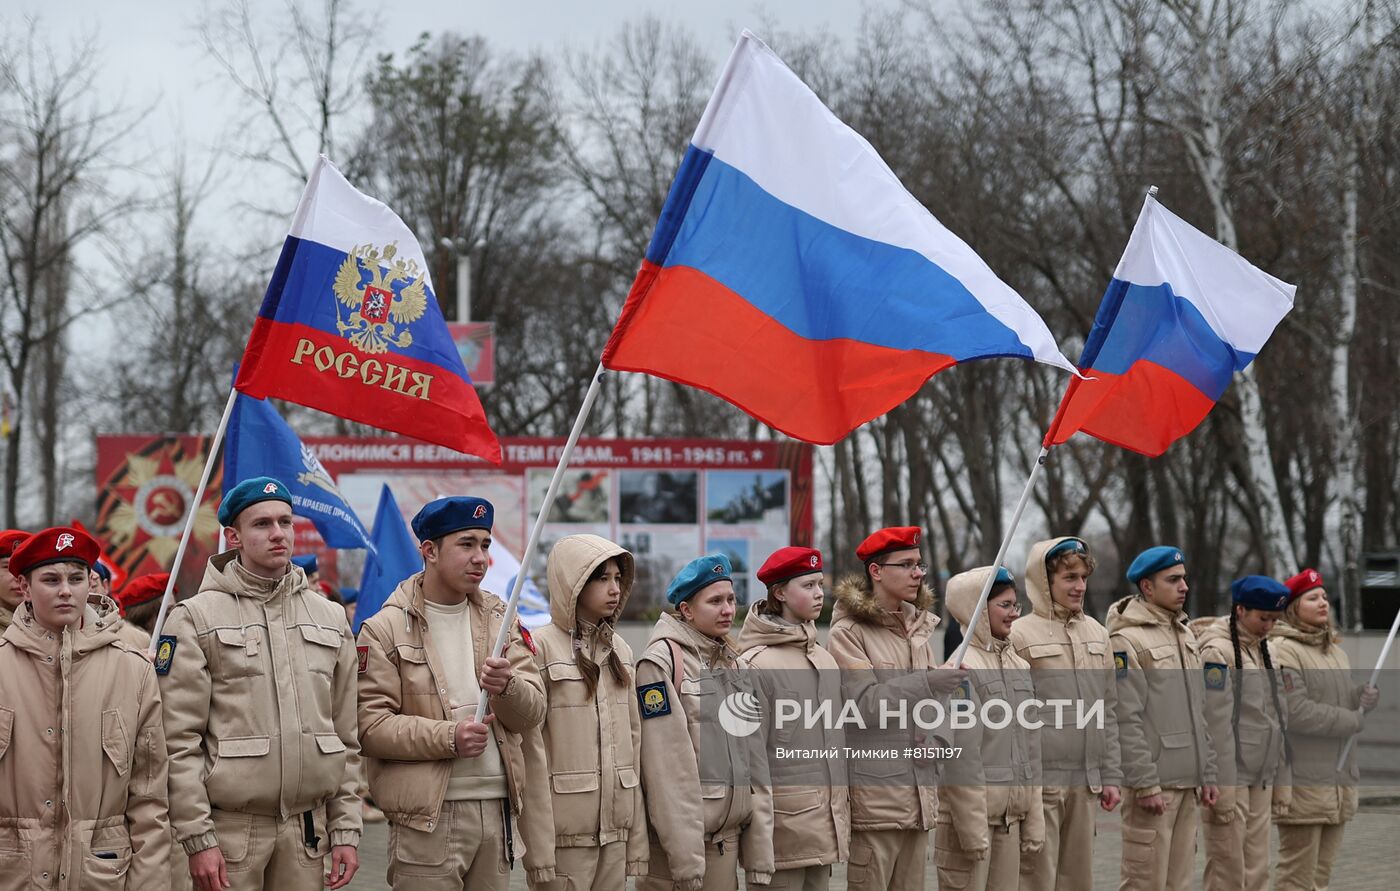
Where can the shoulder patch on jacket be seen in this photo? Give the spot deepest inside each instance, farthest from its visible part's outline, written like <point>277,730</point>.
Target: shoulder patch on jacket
<point>363,654</point>
<point>1288,682</point>
<point>653,700</point>
<point>1120,662</point>
<point>165,653</point>
<point>525,636</point>
<point>1215,675</point>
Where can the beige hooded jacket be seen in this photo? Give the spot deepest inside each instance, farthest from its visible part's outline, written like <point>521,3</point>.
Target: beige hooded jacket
<point>806,809</point>
<point>886,657</point>
<point>685,809</point>
<point>1320,705</point>
<point>404,725</point>
<point>1070,659</point>
<point>1007,760</point>
<point>1249,749</point>
<point>593,742</point>
<point>1161,699</point>
<point>260,705</point>
<point>82,760</point>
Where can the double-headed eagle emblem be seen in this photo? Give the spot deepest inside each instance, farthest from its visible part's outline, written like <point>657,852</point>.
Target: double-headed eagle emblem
<point>382,292</point>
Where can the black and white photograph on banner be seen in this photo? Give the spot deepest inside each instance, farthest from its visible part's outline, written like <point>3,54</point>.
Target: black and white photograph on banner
<point>735,497</point>
<point>658,497</point>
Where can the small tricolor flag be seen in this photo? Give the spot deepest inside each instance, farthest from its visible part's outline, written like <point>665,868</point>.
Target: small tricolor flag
<point>792,274</point>
<point>1182,314</point>
<point>350,325</point>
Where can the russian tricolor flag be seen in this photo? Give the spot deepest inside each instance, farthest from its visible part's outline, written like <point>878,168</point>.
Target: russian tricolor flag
<point>792,274</point>
<point>1182,314</point>
<point>350,325</point>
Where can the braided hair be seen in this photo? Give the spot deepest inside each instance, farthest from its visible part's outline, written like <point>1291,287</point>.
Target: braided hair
<point>1273,686</point>
<point>1238,681</point>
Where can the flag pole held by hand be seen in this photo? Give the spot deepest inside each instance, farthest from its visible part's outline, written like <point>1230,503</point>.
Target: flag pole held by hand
<point>1375,676</point>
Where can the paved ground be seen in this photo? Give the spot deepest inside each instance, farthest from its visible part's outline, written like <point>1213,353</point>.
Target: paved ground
<point>1370,855</point>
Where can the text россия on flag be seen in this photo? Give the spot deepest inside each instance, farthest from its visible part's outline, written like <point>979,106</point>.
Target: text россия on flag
<point>1182,314</point>
<point>792,274</point>
<point>350,325</point>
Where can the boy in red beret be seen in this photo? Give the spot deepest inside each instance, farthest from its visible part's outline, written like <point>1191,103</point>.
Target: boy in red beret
<point>883,620</point>
<point>82,756</point>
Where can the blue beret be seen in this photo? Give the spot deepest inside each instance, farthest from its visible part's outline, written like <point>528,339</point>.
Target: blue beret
<point>1066,546</point>
<point>349,595</point>
<point>307,562</point>
<point>697,574</point>
<point>447,515</point>
<point>1153,560</point>
<point>248,493</point>
<point>102,571</point>
<point>1004,577</point>
<point>1259,592</point>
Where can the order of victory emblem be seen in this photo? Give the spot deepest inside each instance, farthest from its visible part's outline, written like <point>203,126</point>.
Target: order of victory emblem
<point>383,292</point>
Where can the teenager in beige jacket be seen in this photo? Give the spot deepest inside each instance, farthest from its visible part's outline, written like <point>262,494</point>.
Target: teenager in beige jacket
<point>989,808</point>
<point>257,680</point>
<point>807,799</point>
<point>82,752</point>
<point>880,632</point>
<point>1322,710</point>
<point>698,777</point>
<point>1243,708</point>
<point>1168,762</point>
<point>454,788</point>
<point>1070,659</point>
<point>592,732</point>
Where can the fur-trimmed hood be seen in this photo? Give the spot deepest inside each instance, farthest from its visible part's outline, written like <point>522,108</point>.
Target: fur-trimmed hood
<point>855,598</point>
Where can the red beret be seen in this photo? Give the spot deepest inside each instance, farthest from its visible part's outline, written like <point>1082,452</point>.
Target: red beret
<point>57,545</point>
<point>895,538</point>
<point>789,563</point>
<point>9,540</point>
<point>1303,582</point>
<point>142,589</point>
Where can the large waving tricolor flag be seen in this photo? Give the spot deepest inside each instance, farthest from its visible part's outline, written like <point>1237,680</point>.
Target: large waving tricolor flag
<point>350,325</point>
<point>791,273</point>
<point>1182,314</point>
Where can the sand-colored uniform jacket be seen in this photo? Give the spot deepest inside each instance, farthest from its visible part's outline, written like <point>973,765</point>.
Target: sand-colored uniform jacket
<point>82,760</point>
<point>687,808</point>
<point>259,705</point>
<point>885,656</point>
<point>996,781</point>
<point>1249,748</point>
<point>405,728</point>
<point>1320,701</point>
<point>806,808</point>
<point>593,742</point>
<point>1070,658</point>
<point>1162,729</point>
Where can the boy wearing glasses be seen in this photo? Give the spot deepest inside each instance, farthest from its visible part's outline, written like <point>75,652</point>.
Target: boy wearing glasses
<point>1070,658</point>
<point>882,623</point>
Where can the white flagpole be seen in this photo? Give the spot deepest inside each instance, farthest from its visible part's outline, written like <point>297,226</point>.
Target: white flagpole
<point>589,398</point>
<point>1001,555</point>
<point>1375,676</point>
<point>189,521</point>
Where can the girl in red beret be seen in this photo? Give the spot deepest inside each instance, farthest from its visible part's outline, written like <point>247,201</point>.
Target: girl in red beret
<point>82,752</point>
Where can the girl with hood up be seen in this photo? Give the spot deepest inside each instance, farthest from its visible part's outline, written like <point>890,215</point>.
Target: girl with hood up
<point>1321,711</point>
<point>808,800</point>
<point>592,733</point>
<point>990,810</point>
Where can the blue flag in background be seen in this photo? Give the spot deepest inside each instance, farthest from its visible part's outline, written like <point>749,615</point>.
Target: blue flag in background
<point>260,443</point>
<point>395,558</point>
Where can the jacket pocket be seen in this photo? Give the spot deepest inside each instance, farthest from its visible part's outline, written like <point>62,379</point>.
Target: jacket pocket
<point>1176,762</point>
<point>115,742</point>
<point>235,785</point>
<point>1045,651</point>
<point>627,777</point>
<point>328,775</point>
<point>415,848</point>
<point>7,729</point>
<point>322,648</point>
<point>1162,657</point>
<point>414,673</point>
<point>801,801</point>
<point>234,658</point>
<point>568,783</point>
<point>16,849</point>
<point>105,852</point>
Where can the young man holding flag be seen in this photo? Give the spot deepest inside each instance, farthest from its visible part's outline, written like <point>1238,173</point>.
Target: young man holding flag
<point>452,787</point>
<point>257,676</point>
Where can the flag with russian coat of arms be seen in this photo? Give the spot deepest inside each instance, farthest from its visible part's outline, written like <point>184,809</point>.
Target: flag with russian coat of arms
<point>350,325</point>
